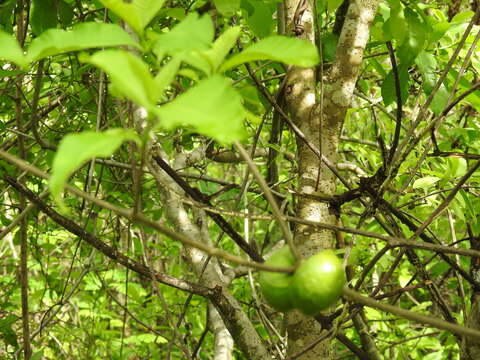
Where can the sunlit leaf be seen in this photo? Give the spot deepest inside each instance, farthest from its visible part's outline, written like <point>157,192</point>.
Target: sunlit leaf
<point>128,73</point>
<point>194,33</point>
<point>75,149</point>
<point>222,46</point>
<point>136,13</point>
<point>212,108</point>
<point>279,48</point>
<point>10,50</point>
<point>80,37</point>
<point>425,182</point>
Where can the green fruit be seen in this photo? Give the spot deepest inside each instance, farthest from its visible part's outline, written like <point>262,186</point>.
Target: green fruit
<point>317,282</point>
<point>275,286</point>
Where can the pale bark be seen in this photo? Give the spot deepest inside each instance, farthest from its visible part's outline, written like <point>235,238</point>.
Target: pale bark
<point>236,323</point>
<point>470,346</point>
<point>223,340</point>
<point>321,123</point>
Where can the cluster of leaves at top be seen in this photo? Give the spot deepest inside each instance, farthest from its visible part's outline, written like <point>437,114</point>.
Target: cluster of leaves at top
<point>314,286</point>
<point>188,50</point>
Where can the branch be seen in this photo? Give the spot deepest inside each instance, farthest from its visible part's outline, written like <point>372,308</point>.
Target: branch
<point>142,219</point>
<point>410,315</point>
<point>231,312</point>
<point>398,94</point>
<point>219,220</point>
<point>107,250</point>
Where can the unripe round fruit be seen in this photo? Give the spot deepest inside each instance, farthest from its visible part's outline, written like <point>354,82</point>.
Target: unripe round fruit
<point>275,285</point>
<point>317,282</point>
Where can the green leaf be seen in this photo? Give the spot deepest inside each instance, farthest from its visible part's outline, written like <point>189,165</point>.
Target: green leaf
<point>82,36</point>
<point>329,43</point>
<point>210,60</point>
<point>219,115</point>
<point>415,42</point>
<point>439,101</point>
<point>9,73</point>
<point>389,93</point>
<point>136,13</point>
<point>260,19</point>
<point>10,50</point>
<point>65,13</point>
<point>6,331</point>
<point>43,15</point>
<point>427,65</point>
<point>76,149</point>
<point>279,48</point>
<point>167,74</point>
<point>332,5</point>
<point>37,355</point>
<point>128,73</point>
<point>222,46</point>
<point>6,11</point>
<point>425,182</point>
<point>194,33</point>
<point>463,17</point>
<point>145,339</point>
<point>397,24</point>
<point>439,29</point>
<point>227,7</point>
<point>474,98</point>
<point>457,167</point>
<point>377,66</point>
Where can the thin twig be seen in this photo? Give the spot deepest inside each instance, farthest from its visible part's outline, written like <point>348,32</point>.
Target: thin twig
<point>410,315</point>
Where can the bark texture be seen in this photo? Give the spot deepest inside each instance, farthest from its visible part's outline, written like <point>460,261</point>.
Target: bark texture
<point>321,122</point>
<point>470,348</point>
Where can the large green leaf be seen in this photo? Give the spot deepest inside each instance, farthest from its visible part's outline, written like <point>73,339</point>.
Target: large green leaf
<point>260,19</point>
<point>213,108</point>
<point>222,46</point>
<point>82,36</point>
<point>279,48</point>
<point>397,25</point>
<point>194,33</point>
<point>11,51</point>
<point>136,13</point>
<point>415,40</point>
<point>43,15</point>
<point>75,149</point>
<point>129,75</point>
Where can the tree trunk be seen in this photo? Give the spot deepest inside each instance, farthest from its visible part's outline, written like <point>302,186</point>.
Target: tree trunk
<point>321,123</point>
<point>471,347</point>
